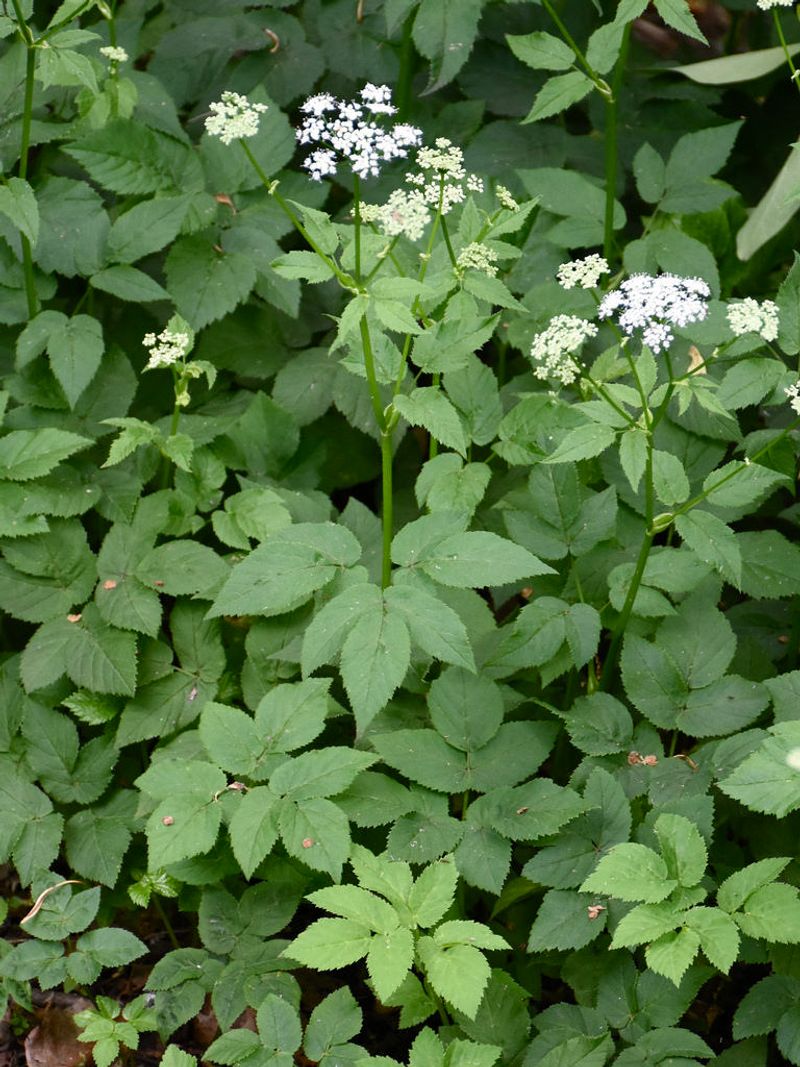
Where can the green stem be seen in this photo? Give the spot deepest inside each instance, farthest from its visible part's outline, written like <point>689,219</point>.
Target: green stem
<point>167,924</point>
<point>271,188</point>
<point>612,656</point>
<point>406,73</point>
<point>785,47</point>
<point>433,444</point>
<point>31,296</point>
<point>611,153</point>
<point>387,508</point>
<point>609,399</point>
<point>357,221</point>
<point>570,40</point>
<point>166,462</point>
<point>372,378</point>
<point>450,252</point>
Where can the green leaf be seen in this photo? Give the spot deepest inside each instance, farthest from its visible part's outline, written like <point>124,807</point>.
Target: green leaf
<point>646,922</point>
<point>182,568</point>
<point>631,872</point>
<point>303,265</point>
<point>443,32</point>
<point>389,960</point>
<point>375,657</point>
<point>650,173</point>
<point>771,912</point>
<point>127,157</point>
<point>75,348</point>
<point>563,922</point>
<point>206,283</point>
<point>286,569</point>
<point>335,1020</point>
<point>320,773</point>
<point>467,560</point>
<point>735,890</point>
<point>458,973</point>
<point>676,13</point>
<point>683,849</point>
<point>582,443</point>
<point>26,454</point>
<point>18,203</point>
<point>279,1024</point>
<point>558,94</point>
<point>73,228</point>
<point>429,407</point>
<point>669,478</point>
<point>713,541</point>
<point>128,283</point>
<point>599,725</point>
<point>100,657</point>
<point>433,893</point>
<point>719,938</point>
<point>466,710</point>
<point>146,228</point>
<point>316,832</point>
<point>671,954</point>
<point>330,943</point>
<point>254,828</point>
<point>434,627</point>
<point>765,781</point>
<point>328,630</point>
<point>739,67</point>
<point>542,51</point>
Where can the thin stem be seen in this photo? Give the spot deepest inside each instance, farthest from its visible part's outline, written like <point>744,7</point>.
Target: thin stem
<point>166,462</point>
<point>31,296</point>
<point>167,924</point>
<point>357,220</point>
<point>372,378</point>
<point>570,40</point>
<point>737,470</point>
<point>271,188</point>
<point>609,399</point>
<point>785,47</point>
<point>612,108</point>
<point>433,444</point>
<point>450,252</point>
<point>612,656</point>
<point>387,508</point>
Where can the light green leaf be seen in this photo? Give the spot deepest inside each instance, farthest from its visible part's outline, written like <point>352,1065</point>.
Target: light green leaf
<point>375,657</point>
<point>631,872</point>
<point>719,938</point>
<point>389,960</point>
<point>330,943</point>
<point>429,407</point>
<point>542,51</point>
<point>18,203</point>
<point>735,890</point>
<point>683,849</point>
<point>434,627</point>
<point>558,94</point>
<point>713,541</point>
<point>671,954</point>
<point>458,974</point>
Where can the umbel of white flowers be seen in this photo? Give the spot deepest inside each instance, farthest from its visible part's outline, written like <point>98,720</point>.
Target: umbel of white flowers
<point>347,132</point>
<point>552,350</point>
<point>653,304</point>
<point>233,116</point>
<point>166,349</point>
<point>114,54</point>
<point>441,175</point>
<point>765,5</point>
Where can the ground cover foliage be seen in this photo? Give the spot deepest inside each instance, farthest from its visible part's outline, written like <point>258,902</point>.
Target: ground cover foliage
<point>399,547</point>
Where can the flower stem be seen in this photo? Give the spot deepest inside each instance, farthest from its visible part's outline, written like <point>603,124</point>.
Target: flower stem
<point>570,40</point>
<point>283,205</point>
<point>450,252</point>
<point>785,47</point>
<point>357,220</point>
<point>612,109</point>
<point>24,151</point>
<point>387,508</point>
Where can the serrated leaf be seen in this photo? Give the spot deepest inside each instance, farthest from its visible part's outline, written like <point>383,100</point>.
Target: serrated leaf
<point>330,943</point>
<point>631,872</point>
<point>671,954</point>
<point>429,407</point>
<point>558,94</point>
<point>458,974</point>
<point>389,960</point>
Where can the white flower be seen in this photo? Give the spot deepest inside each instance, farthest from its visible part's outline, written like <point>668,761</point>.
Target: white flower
<point>405,212</point>
<point>116,55</point>
<point>233,117</point>
<point>477,256</point>
<point>346,132</point>
<point>748,316</point>
<point>793,759</point>
<point>582,272</point>
<point>442,174</point>
<point>552,349</point>
<point>653,304</point>
<point>766,5</point>
<point>506,199</point>
<point>168,348</point>
<point>793,393</point>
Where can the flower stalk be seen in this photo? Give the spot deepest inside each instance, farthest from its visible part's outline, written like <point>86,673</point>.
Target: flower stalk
<point>29,41</point>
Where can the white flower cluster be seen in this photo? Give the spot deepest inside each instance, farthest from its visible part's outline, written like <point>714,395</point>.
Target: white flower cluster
<point>116,55</point>
<point>346,131</point>
<point>654,304</point>
<point>552,350</point>
<point>748,316</point>
<point>168,348</point>
<point>505,198</point>
<point>478,256</point>
<point>403,213</point>
<point>442,173</point>
<point>584,273</point>
<point>766,5</point>
<point>233,116</point>
<point>793,394</point>
<point>793,759</point>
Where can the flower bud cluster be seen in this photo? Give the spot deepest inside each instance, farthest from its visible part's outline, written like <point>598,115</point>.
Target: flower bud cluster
<point>442,174</point>
<point>233,117</point>
<point>505,198</point>
<point>113,53</point>
<point>477,256</point>
<point>553,349</point>
<point>750,316</point>
<point>346,131</point>
<point>767,5</point>
<point>653,304</point>
<point>793,394</point>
